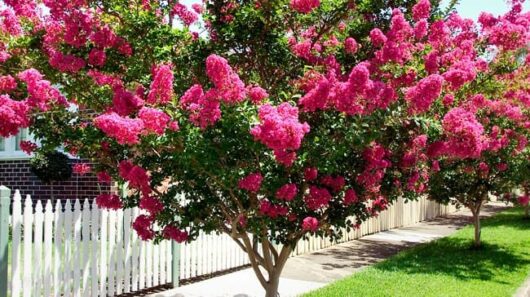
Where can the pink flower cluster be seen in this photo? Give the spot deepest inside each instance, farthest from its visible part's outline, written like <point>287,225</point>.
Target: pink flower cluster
<point>251,182</point>
<point>124,129</point>
<point>523,200</point>
<point>287,192</point>
<point>317,198</point>
<point>161,90</point>
<point>13,116</point>
<point>375,168</point>
<point>350,197</point>
<point>109,201</point>
<point>310,224</point>
<point>272,210</point>
<point>104,177</point>
<point>81,168</point>
<point>421,10</point>
<point>204,110</point>
<point>335,183</point>
<point>28,147</point>
<point>421,96</point>
<point>304,6</point>
<point>41,94</point>
<point>174,233</point>
<point>280,129</point>
<point>257,94</point>
<point>464,132</point>
<point>143,225</point>
<point>151,204</point>
<point>350,45</point>
<point>155,120</point>
<point>136,176</point>
<point>228,86</point>
<point>187,16</point>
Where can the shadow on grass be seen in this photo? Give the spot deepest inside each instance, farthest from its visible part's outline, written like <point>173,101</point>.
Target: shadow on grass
<point>454,256</point>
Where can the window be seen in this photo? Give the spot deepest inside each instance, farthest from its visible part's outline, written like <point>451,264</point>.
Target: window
<point>10,146</point>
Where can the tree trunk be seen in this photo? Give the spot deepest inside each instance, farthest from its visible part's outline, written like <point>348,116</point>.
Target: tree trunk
<point>476,223</point>
<point>271,290</point>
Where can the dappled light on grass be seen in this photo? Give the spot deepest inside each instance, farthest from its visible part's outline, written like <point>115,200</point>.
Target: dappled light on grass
<point>449,266</point>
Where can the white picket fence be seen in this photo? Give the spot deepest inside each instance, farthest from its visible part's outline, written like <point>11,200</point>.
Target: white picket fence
<point>80,250</point>
<point>69,250</point>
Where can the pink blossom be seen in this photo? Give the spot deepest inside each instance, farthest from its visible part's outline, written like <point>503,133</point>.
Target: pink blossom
<point>161,89</point>
<point>173,233</point>
<point>198,8</point>
<point>257,94</point>
<point>228,86</point>
<point>13,116</point>
<point>310,173</point>
<point>287,192</point>
<point>304,6</point>
<point>136,176</point>
<point>377,37</point>
<point>28,147</point>
<point>81,168</point>
<point>271,210</point>
<point>155,120</point>
<point>7,83</point>
<point>310,224</point>
<point>523,200</point>
<point>103,177</point>
<point>204,110</point>
<point>125,102</point>
<point>421,29</point>
<point>317,198</point>
<point>97,57</point>
<point>151,205</point>
<point>350,45</point>
<point>350,197</point>
<point>124,129</point>
<point>143,227</point>
<point>335,183</point>
<point>285,157</point>
<point>464,133</point>
<point>279,127</point>
<point>65,63</point>
<point>317,98</point>
<point>421,10</point>
<point>421,96</point>
<point>251,182</point>
<point>109,201</point>
<point>187,16</point>
<point>9,22</point>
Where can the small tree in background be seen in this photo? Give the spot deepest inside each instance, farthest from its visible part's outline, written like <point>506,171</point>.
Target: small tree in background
<point>284,119</point>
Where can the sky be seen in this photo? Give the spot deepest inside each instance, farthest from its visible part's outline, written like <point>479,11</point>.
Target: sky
<point>473,8</point>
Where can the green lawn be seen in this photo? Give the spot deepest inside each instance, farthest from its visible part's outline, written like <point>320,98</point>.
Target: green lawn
<point>448,267</point>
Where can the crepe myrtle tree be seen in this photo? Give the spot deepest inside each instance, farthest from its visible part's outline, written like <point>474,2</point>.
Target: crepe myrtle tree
<point>276,121</point>
<point>479,134</point>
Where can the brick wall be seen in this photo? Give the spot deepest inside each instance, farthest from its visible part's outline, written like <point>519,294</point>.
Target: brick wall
<point>16,174</point>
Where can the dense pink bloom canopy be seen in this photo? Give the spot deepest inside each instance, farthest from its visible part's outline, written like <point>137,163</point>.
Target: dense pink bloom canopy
<point>305,6</point>
<point>124,129</point>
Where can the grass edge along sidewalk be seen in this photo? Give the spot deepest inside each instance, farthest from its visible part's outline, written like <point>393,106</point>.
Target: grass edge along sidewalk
<point>448,266</point>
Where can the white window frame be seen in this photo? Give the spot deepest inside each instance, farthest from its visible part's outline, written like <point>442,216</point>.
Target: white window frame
<point>10,152</point>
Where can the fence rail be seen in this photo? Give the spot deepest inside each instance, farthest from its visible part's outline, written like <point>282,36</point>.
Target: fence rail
<point>76,249</point>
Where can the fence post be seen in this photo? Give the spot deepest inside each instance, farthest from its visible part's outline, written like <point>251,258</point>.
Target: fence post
<point>5,201</point>
<point>175,270</point>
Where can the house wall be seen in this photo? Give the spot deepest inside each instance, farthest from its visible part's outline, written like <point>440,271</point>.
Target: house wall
<point>16,175</point>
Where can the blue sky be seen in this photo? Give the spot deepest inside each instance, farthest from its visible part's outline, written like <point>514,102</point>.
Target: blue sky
<point>472,8</point>
<point>467,8</point>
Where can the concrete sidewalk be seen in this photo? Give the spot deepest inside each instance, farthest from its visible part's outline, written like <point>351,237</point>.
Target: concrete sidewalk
<point>314,270</point>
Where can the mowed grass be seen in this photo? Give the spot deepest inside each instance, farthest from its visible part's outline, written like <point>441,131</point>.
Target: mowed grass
<point>449,267</point>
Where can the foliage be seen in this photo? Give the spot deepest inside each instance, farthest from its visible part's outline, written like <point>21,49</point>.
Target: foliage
<point>279,118</point>
<point>51,166</point>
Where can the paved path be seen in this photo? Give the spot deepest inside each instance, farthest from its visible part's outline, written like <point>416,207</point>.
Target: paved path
<point>311,271</point>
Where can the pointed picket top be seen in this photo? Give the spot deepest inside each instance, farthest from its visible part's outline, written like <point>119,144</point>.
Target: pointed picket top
<point>58,206</point>
<point>17,197</point>
<point>27,202</point>
<point>68,206</point>
<point>86,204</point>
<point>49,206</point>
<point>77,205</point>
<point>38,207</point>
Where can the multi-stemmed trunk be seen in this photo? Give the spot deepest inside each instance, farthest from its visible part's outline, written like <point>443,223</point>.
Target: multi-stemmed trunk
<point>271,260</point>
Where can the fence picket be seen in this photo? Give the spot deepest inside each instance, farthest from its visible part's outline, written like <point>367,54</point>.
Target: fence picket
<point>119,252</point>
<point>128,253</point>
<point>28,226</point>
<point>94,273</point>
<point>76,254</point>
<point>16,219</point>
<point>85,238</point>
<point>58,247</point>
<point>103,252</point>
<point>48,237</point>
<point>112,255</point>
<point>37,252</point>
